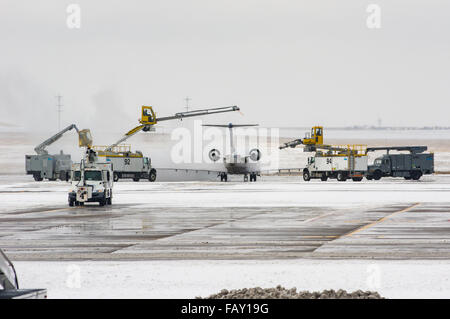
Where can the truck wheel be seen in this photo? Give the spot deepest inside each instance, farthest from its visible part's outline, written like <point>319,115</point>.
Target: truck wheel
<point>152,175</point>
<point>341,177</point>
<point>369,177</point>
<point>377,175</point>
<point>324,178</point>
<point>416,175</point>
<point>116,177</point>
<point>306,176</point>
<point>136,179</point>
<point>64,176</point>
<point>37,178</point>
<point>407,177</point>
<point>357,179</point>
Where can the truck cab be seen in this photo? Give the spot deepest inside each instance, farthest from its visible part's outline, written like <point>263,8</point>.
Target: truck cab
<point>316,136</point>
<point>382,164</point>
<point>146,164</point>
<point>91,183</point>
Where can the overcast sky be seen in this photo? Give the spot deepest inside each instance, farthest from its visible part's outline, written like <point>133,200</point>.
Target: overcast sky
<point>285,63</point>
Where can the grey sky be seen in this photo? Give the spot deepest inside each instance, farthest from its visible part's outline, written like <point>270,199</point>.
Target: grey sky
<point>285,63</point>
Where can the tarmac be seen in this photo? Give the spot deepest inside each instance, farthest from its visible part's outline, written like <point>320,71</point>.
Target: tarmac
<point>274,218</point>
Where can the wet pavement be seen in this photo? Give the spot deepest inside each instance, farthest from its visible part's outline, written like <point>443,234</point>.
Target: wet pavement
<point>275,218</point>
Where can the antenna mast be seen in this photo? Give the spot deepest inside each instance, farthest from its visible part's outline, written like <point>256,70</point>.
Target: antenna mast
<point>59,110</point>
<point>187,99</point>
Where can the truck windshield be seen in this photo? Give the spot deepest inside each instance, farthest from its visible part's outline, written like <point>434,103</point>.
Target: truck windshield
<point>93,175</point>
<point>76,176</point>
<point>319,131</point>
<point>148,112</point>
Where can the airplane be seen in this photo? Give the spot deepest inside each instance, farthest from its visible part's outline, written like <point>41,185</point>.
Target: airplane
<point>236,164</point>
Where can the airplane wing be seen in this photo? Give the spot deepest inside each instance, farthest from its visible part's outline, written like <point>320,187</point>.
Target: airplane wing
<point>191,170</point>
<point>229,125</point>
<point>282,170</point>
<point>287,171</point>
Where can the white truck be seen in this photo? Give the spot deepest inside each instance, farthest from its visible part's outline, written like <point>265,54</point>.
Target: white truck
<point>92,181</point>
<point>341,163</point>
<point>128,164</point>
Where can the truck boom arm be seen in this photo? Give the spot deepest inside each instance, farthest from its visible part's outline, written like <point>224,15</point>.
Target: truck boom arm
<point>412,149</point>
<point>181,115</point>
<point>40,149</point>
<point>177,116</point>
<point>129,134</point>
<point>292,144</point>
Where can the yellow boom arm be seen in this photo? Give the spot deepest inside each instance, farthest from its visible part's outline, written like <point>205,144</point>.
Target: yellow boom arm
<point>148,119</point>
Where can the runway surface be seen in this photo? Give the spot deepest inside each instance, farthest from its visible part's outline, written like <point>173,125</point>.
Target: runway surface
<point>274,218</point>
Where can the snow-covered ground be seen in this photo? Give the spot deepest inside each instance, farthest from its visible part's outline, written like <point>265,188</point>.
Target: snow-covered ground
<point>188,279</point>
<point>20,192</point>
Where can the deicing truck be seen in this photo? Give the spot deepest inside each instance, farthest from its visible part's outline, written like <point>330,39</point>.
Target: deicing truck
<point>409,166</point>
<point>49,166</point>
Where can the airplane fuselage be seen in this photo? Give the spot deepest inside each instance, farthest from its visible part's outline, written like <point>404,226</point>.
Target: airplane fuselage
<point>236,164</point>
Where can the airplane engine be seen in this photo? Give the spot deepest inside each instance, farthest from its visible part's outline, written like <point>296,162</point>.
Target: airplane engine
<point>255,154</point>
<point>214,155</point>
